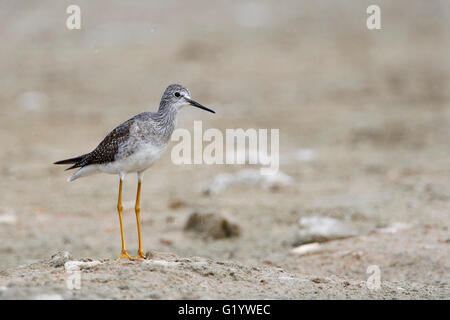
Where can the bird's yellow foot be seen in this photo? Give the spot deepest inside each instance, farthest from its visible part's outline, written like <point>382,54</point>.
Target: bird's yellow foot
<point>124,254</point>
<point>140,254</point>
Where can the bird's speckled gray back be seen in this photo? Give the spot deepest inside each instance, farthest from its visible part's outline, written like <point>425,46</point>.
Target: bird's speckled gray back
<point>153,128</point>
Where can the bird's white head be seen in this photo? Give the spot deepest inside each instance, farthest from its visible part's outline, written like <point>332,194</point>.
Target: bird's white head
<point>177,96</point>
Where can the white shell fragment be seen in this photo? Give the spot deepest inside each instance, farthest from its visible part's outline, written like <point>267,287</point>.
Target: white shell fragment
<point>249,177</point>
<point>8,218</point>
<point>79,265</point>
<point>307,248</point>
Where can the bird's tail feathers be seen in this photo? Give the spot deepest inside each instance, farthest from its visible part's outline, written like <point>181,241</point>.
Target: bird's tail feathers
<point>83,172</point>
<point>69,161</point>
<point>77,161</point>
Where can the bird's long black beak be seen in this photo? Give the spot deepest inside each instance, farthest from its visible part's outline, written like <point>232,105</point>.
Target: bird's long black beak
<point>198,105</point>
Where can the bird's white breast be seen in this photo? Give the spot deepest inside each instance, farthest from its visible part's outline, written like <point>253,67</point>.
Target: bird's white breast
<point>139,161</point>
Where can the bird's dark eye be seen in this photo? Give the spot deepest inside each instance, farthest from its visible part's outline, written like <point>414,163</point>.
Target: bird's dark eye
<point>177,94</point>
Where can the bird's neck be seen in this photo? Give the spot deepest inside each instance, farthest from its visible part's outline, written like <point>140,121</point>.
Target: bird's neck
<point>166,109</point>
<point>167,118</point>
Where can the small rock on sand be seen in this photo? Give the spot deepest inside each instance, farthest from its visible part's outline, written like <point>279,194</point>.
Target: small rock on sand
<point>59,258</point>
<point>211,225</point>
<point>394,227</point>
<point>321,229</point>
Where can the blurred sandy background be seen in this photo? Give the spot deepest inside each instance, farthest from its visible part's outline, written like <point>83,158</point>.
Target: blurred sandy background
<point>369,109</point>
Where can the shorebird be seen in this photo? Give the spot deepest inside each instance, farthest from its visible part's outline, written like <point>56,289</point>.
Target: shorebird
<point>134,146</point>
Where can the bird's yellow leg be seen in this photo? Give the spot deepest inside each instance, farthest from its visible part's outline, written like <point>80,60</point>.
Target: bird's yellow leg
<point>124,253</point>
<point>140,253</point>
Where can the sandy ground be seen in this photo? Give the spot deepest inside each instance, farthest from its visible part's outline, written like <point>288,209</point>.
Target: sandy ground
<point>364,121</point>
